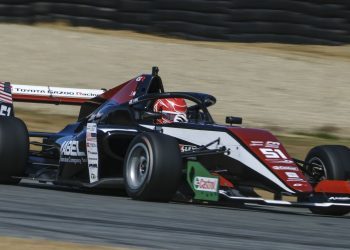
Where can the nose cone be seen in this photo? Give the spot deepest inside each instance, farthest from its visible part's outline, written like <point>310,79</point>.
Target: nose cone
<point>269,150</point>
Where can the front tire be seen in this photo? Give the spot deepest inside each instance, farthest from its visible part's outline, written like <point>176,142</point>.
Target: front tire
<point>14,149</point>
<point>152,167</point>
<point>329,162</point>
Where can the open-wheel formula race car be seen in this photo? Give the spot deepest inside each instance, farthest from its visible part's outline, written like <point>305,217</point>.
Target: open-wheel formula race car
<point>118,143</point>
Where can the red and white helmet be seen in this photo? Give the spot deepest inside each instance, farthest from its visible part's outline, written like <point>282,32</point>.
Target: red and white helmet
<point>172,109</point>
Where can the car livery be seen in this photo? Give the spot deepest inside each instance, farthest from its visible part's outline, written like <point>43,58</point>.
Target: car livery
<point>116,143</point>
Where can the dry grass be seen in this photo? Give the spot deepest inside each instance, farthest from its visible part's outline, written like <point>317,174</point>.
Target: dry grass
<point>44,122</point>
<point>10,243</point>
<point>288,87</point>
<point>310,50</point>
<point>299,145</point>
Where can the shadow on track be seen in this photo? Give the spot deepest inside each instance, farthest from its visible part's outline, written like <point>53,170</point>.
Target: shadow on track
<point>227,206</point>
<point>104,192</point>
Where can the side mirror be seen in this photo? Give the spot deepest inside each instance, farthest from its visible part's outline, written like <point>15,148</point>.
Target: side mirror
<point>146,116</point>
<point>233,120</point>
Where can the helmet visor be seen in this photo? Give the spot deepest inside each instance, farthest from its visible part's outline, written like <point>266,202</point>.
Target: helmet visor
<point>175,116</point>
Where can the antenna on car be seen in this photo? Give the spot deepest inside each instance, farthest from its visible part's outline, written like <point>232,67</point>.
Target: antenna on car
<point>155,71</point>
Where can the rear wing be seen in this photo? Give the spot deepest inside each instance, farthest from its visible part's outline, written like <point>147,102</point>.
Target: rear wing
<point>42,94</point>
<point>54,95</point>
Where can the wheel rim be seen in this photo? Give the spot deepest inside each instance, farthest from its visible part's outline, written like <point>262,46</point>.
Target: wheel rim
<point>138,164</point>
<point>318,169</point>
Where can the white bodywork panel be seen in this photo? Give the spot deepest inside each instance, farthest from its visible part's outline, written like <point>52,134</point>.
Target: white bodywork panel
<point>238,152</point>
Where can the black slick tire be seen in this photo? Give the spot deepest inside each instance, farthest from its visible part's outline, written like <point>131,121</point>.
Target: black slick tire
<point>14,149</point>
<point>152,167</point>
<point>334,159</point>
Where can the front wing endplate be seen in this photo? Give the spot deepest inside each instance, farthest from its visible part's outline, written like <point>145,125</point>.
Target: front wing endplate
<point>204,185</point>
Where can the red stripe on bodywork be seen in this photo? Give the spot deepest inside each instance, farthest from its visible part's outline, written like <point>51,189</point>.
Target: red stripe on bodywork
<point>48,99</point>
<point>333,186</point>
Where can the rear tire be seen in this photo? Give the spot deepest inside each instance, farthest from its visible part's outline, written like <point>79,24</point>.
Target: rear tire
<point>152,167</point>
<point>14,149</point>
<point>332,164</point>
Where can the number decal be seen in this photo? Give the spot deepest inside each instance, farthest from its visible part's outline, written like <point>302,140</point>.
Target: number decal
<point>5,110</point>
<point>271,153</point>
<point>280,153</point>
<point>140,79</point>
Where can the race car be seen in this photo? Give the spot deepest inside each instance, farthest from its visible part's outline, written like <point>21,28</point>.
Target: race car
<point>162,146</point>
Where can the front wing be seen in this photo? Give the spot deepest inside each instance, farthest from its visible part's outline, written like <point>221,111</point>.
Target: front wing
<point>257,200</point>
<point>208,187</point>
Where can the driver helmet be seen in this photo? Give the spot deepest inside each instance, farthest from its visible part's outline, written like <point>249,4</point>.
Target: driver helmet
<point>172,109</point>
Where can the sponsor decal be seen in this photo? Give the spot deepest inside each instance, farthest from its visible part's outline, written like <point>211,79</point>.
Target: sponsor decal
<point>339,198</point>
<point>292,175</point>
<point>295,179</point>
<point>281,161</point>
<point>91,144</point>
<point>140,79</point>
<point>256,143</point>
<point>272,144</point>
<point>268,144</point>
<point>297,185</point>
<point>186,148</point>
<point>71,148</point>
<point>86,94</point>
<point>92,151</point>
<point>30,90</point>
<point>93,177</point>
<point>133,93</point>
<point>132,101</point>
<point>290,168</point>
<point>74,161</point>
<point>55,91</point>
<point>70,153</point>
<point>205,184</point>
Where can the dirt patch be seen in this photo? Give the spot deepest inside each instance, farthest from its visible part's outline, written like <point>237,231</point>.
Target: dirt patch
<point>285,87</point>
<point>10,243</point>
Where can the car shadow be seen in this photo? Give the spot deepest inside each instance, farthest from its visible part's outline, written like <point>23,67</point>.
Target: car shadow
<point>95,191</point>
<point>227,206</point>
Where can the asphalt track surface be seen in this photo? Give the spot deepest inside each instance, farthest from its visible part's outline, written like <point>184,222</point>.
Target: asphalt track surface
<point>43,211</point>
